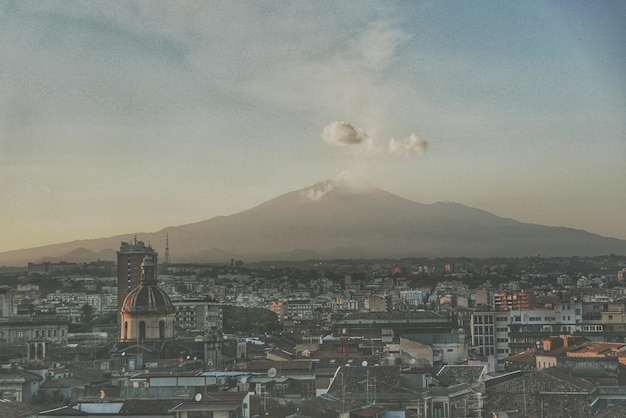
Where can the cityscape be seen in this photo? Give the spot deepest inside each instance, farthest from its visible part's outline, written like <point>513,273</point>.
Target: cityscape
<point>293,209</point>
<point>422,337</point>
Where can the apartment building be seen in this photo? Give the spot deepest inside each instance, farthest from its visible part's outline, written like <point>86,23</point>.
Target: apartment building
<point>514,300</point>
<point>198,314</point>
<point>489,330</point>
<point>300,309</point>
<point>502,333</point>
<point>604,321</point>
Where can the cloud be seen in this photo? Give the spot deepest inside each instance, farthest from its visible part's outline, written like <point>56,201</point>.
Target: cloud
<point>341,133</point>
<point>408,147</point>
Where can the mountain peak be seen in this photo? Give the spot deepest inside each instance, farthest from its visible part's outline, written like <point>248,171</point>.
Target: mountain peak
<point>343,184</point>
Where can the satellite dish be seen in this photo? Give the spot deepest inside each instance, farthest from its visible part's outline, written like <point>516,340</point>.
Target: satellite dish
<point>102,394</point>
<point>271,372</point>
<point>412,361</point>
<point>364,363</point>
<point>198,397</point>
<point>244,379</point>
<point>123,353</point>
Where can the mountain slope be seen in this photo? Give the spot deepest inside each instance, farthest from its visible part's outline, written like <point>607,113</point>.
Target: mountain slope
<point>343,219</point>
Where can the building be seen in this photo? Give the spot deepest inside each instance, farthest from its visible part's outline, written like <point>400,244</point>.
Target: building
<point>129,259</point>
<point>7,305</point>
<point>550,392</point>
<point>147,331</point>
<point>51,268</point>
<point>198,315</point>
<point>376,325</point>
<point>428,350</point>
<point>18,385</point>
<point>527,328</point>
<point>147,312</point>
<point>604,321</point>
<point>516,300</point>
<point>490,334</point>
<point>300,309</point>
<point>33,334</point>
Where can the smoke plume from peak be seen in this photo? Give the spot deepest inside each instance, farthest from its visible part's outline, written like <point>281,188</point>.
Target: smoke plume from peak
<point>345,182</point>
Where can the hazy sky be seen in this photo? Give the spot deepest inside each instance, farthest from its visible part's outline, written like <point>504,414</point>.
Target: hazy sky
<point>128,116</point>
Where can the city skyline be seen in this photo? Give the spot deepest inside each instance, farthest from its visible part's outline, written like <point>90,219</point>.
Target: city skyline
<point>118,118</point>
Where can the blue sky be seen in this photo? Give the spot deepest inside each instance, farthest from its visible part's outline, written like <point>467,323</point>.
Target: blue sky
<point>128,116</point>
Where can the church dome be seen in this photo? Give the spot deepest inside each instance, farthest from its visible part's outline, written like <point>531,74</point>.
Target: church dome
<point>148,297</point>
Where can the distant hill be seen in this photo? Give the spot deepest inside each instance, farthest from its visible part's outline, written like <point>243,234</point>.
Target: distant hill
<point>342,219</point>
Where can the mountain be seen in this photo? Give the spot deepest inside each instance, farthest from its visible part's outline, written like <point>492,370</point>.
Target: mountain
<point>345,219</point>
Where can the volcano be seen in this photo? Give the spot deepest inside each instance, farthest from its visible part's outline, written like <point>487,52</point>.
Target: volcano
<point>343,218</point>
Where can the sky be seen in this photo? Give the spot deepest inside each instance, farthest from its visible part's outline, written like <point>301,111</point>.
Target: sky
<point>119,117</point>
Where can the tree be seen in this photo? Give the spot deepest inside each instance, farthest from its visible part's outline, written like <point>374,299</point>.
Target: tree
<point>255,320</point>
<point>86,314</point>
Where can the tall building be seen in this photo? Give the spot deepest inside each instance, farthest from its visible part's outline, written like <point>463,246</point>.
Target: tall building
<point>129,259</point>
<point>7,305</point>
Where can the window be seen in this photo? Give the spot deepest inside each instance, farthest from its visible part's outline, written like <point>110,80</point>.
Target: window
<point>142,330</point>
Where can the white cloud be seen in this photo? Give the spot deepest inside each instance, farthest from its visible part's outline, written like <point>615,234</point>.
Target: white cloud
<point>341,133</point>
<point>408,147</point>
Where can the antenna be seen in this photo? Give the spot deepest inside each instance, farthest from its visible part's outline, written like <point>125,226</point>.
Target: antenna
<point>167,250</point>
<point>271,372</point>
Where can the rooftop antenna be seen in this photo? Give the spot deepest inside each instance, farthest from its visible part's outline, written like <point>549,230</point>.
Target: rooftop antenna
<point>167,250</point>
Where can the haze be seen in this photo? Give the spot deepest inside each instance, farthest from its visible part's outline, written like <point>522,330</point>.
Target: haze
<point>121,117</point>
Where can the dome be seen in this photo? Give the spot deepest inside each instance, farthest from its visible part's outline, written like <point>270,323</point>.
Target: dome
<point>147,299</point>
